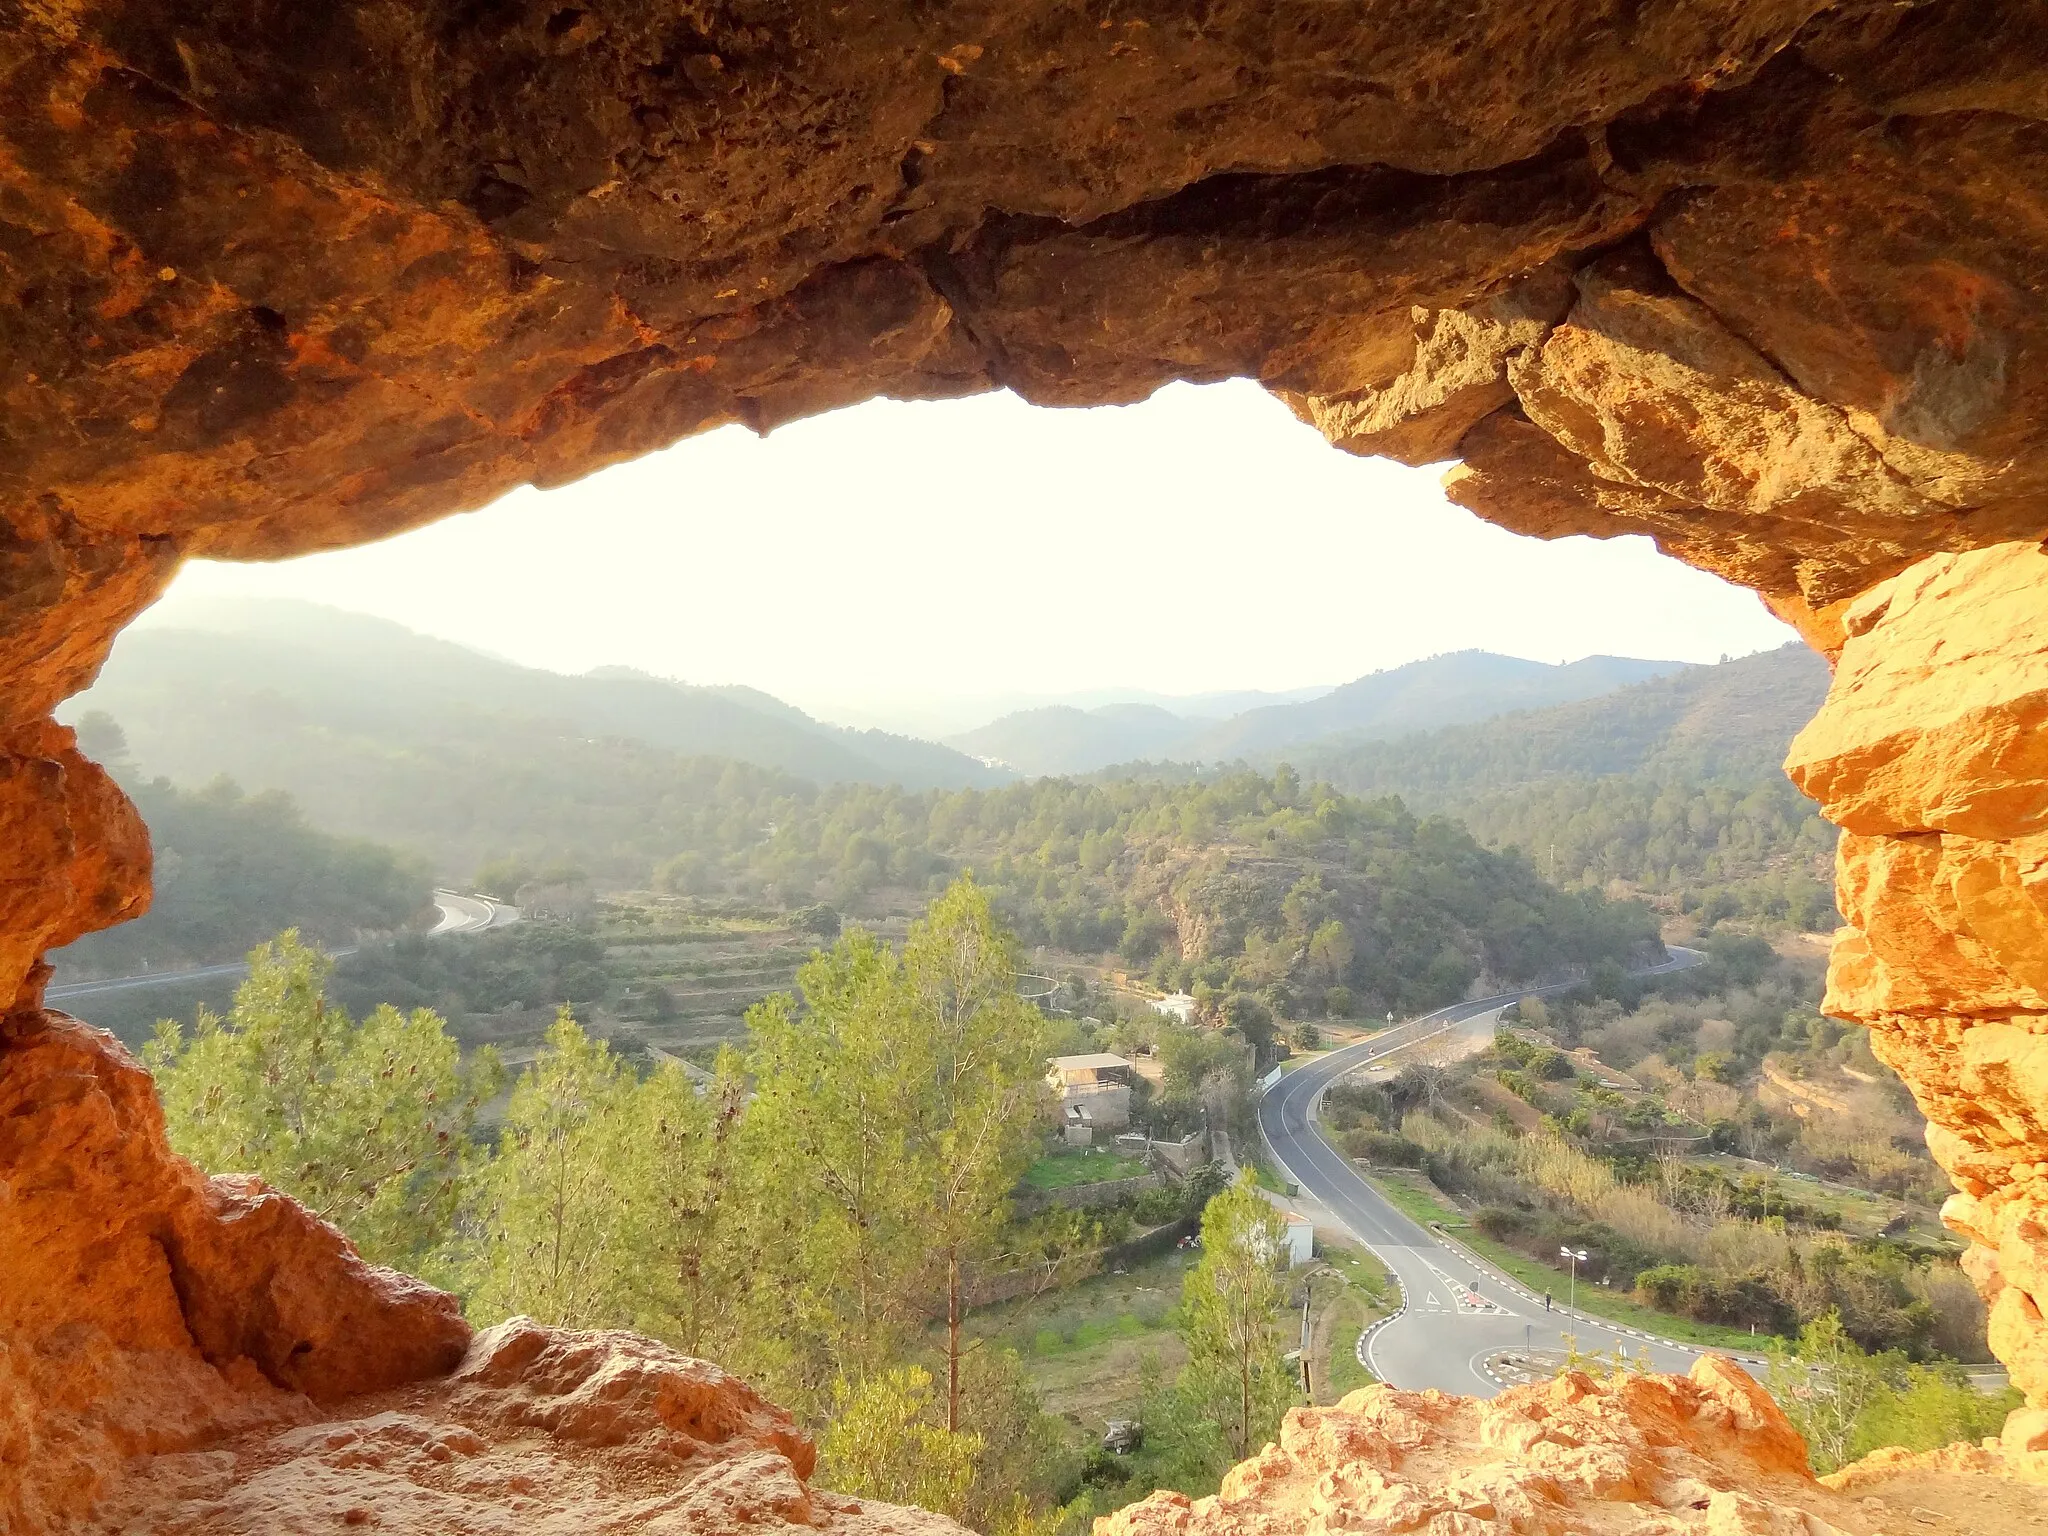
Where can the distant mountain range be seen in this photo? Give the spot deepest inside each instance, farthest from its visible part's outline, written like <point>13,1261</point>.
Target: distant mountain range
<point>1465,686</point>
<point>242,687</point>
<point>385,733</point>
<point>1733,721</point>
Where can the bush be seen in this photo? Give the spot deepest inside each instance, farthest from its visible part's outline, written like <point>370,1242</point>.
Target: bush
<point>1156,1207</point>
<point>821,920</point>
<point>1742,1302</point>
<point>1383,1150</point>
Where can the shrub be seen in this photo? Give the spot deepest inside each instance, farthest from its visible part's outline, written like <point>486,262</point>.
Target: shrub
<point>1385,1151</point>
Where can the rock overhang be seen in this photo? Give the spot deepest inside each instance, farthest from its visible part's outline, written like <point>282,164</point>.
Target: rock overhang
<point>1761,279</point>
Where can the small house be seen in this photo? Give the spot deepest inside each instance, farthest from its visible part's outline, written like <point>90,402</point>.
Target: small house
<point>1094,1093</point>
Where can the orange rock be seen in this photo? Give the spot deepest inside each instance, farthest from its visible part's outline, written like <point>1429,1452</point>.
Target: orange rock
<point>149,1308</point>
<point>1630,1454</point>
<point>289,278</point>
<point>539,1429</point>
<point>1936,719</point>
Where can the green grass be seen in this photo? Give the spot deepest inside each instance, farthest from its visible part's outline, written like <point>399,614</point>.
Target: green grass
<point>1065,1170</point>
<point>1599,1302</point>
<point>1364,1272</point>
<point>1264,1174</point>
<point>1416,1199</point>
<point>1366,1298</point>
<point>1413,1195</point>
<point>1344,1373</point>
<point>1092,1310</point>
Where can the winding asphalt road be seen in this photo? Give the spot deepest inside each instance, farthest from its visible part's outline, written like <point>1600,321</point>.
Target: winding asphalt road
<point>459,914</point>
<point>1457,1311</point>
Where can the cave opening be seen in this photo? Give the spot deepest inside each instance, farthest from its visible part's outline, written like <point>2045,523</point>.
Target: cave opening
<point>1759,281</point>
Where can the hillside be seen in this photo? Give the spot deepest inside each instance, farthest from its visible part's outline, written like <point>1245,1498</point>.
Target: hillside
<point>1734,720</point>
<point>1671,786</point>
<point>1421,696</point>
<point>264,691</point>
<point>233,869</point>
<point>1060,739</point>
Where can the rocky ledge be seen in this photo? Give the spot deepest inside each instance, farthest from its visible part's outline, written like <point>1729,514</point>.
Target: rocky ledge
<point>538,1430</point>
<point>1644,1455</point>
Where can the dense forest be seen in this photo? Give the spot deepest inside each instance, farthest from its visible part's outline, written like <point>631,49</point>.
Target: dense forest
<point>1755,849</point>
<point>1313,900</point>
<point>232,868</point>
<point>1671,786</point>
<point>1727,722</point>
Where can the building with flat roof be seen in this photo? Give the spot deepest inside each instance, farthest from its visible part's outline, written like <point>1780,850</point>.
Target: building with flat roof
<point>1094,1094</point>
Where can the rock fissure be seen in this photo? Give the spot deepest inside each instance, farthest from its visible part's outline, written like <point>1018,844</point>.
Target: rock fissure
<point>1761,279</point>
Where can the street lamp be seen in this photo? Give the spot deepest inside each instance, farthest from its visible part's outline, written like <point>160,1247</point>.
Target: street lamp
<point>1578,1256</point>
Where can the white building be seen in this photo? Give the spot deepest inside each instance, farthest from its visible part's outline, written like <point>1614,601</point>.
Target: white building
<point>1175,1005</point>
<point>1301,1239</point>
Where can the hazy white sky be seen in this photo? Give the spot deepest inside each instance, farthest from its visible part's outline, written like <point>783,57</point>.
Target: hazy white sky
<point>895,554</point>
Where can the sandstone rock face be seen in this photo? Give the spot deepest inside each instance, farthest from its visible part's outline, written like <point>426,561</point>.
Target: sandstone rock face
<point>537,1430</point>
<point>1930,750</point>
<point>542,1430</point>
<point>148,1308</point>
<point>1635,1456</point>
<point>1761,279</point>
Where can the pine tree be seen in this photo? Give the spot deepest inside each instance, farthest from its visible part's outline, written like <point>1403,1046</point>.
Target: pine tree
<point>366,1124</point>
<point>556,1213</point>
<point>897,1109</point>
<point>1229,1303</point>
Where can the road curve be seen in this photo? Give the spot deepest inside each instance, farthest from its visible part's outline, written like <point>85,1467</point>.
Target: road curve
<point>1457,1311</point>
<point>471,914</point>
<point>459,914</point>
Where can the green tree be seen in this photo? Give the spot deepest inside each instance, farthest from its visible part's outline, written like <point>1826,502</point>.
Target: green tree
<point>1848,1403</point>
<point>1330,951</point>
<point>365,1124</point>
<point>1228,1307</point>
<point>977,1053</point>
<point>688,1208</point>
<point>899,1107</point>
<point>1826,1383</point>
<point>1019,1471</point>
<point>834,1148</point>
<point>557,1215</point>
<point>884,1443</point>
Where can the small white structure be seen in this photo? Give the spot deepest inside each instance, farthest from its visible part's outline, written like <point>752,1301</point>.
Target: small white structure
<point>1094,1093</point>
<point>1301,1239</point>
<point>1175,1005</point>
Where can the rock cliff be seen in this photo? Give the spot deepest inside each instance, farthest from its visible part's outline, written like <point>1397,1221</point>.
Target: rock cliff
<point>1761,279</point>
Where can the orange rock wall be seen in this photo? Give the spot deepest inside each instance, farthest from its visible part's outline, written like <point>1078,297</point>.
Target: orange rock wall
<point>1761,279</point>
<point>1931,754</point>
<point>147,1308</point>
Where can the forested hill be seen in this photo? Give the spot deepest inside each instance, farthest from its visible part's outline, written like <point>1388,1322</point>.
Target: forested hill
<point>1672,786</point>
<point>298,697</point>
<point>1453,689</point>
<point>233,869</point>
<point>1731,721</point>
<point>1244,884</point>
